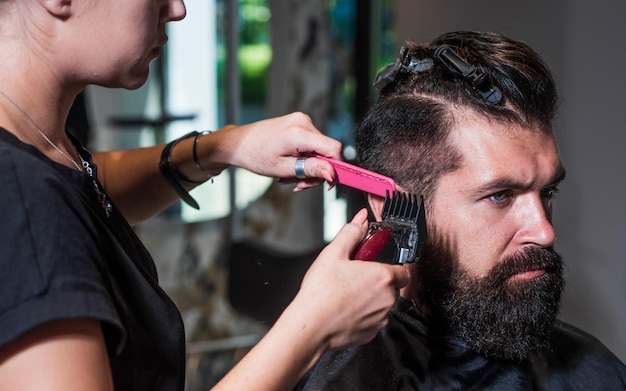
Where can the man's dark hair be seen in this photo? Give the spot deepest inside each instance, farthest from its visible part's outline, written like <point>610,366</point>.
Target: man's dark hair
<point>404,135</point>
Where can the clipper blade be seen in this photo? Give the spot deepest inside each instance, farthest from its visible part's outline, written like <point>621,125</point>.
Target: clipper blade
<point>401,234</point>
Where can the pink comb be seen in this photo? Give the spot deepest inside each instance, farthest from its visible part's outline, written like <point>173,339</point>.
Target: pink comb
<point>360,178</point>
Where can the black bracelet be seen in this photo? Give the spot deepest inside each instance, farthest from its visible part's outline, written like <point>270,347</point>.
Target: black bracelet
<point>174,177</point>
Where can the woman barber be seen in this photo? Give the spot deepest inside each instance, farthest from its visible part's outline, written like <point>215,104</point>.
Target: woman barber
<point>80,307</point>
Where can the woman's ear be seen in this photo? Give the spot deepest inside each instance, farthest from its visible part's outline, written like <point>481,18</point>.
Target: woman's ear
<point>376,205</point>
<point>59,8</point>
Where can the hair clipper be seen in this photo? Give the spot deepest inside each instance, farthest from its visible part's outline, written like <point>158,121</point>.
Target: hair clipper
<point>399,237</point>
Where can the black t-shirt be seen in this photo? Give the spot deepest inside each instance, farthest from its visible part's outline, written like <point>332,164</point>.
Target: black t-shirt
<point>407,355</point>
<point>61,257</point>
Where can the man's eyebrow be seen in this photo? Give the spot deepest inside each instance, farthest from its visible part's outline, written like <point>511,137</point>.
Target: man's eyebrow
<point>500,184</point>
<point>506,183</point>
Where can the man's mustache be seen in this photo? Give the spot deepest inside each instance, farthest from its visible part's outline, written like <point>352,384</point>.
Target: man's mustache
<point>531,258</point>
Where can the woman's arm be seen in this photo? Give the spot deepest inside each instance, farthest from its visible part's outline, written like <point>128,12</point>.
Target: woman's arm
<point>64,355</point>
<point>133,180</point>
<point>340,303</point>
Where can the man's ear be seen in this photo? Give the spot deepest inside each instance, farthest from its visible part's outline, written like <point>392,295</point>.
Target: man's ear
<point>59,8</point>
<point>376,205</point>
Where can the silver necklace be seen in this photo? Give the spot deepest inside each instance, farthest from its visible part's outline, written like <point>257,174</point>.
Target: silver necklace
<point>84,166</point>
<point>102,197</point>
<point>38,129</point>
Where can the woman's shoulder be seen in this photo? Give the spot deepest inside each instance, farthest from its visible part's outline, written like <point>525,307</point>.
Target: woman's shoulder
<point>50,264</point>
<point>30,178</point>
<point>40,203</point>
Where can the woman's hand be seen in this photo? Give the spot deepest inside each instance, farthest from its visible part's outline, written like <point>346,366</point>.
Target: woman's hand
<point>270,147</point>
<point>340,303</point>
<point>348,301</point>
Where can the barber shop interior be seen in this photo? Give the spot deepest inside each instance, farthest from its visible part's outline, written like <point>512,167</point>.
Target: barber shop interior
<point>233,265</point>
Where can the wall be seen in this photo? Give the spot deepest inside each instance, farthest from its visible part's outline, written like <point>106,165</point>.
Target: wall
<point>583,44</point>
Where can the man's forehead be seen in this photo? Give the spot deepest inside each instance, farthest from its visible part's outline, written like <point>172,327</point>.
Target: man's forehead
<point>475,133</point>
<point>493,151</point>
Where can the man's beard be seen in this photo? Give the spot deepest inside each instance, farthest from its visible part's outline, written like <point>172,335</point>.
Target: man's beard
<point>495,315</point>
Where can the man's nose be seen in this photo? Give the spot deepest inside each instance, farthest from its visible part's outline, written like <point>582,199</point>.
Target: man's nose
<point>536,223</point>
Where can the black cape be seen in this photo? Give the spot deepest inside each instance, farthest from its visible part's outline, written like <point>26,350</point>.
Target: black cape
<point>406,355</point>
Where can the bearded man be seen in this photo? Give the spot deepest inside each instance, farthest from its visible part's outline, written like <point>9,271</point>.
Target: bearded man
<point>466,121</point>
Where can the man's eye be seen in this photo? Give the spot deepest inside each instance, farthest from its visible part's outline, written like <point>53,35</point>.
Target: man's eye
<point>500,197</point>
<point>549,192</point>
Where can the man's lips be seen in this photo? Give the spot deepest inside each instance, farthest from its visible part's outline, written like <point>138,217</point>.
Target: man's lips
<point>529,274</point>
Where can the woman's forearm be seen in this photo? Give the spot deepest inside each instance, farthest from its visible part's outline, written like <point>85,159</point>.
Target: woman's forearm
<point>137,186</point>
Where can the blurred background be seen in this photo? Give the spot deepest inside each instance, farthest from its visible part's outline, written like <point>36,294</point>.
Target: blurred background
<point>233,266</point>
